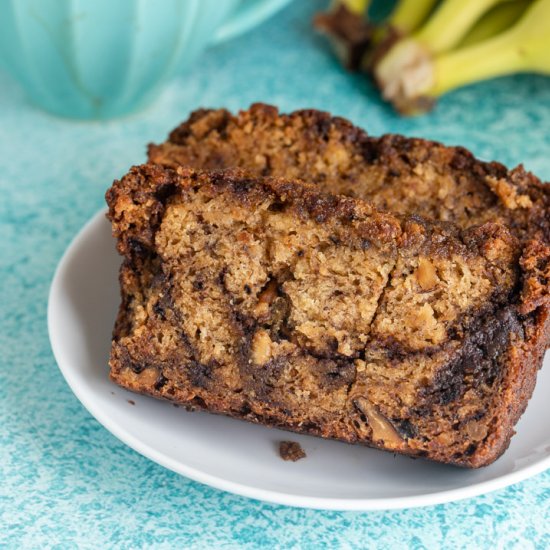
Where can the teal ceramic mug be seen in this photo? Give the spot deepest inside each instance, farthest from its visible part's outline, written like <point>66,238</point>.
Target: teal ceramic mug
<point>104,58</point>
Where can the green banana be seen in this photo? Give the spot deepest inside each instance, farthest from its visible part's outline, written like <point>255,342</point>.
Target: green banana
<point>522,48</point>
<point>451,22</point>
<point>409,58</point>
<point>408,15</point>
<point>495,21</point>
<point>442,31</point>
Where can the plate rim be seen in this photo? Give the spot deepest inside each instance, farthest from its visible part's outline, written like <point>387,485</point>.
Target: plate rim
<point>241,489</point>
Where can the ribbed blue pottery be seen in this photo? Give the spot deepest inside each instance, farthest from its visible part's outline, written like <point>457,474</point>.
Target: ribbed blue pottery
<point>104,58</point>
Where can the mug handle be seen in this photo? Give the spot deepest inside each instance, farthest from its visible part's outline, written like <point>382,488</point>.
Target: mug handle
<point>249,14</point>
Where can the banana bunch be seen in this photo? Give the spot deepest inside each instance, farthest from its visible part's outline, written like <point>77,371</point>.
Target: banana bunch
<point>426,48</point>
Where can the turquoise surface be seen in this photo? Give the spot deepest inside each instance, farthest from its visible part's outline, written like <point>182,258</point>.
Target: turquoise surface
<point>66,482</point>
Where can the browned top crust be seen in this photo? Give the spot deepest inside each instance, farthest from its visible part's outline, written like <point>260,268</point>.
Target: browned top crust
<point>404,175</point>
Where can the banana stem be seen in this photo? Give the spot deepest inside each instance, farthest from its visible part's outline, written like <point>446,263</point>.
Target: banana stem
<point>451,22</point>
<point>408,15</point>
<point>347,26</point>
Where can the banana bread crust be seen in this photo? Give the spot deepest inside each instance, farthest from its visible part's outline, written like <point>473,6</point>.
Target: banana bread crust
<point>500,341</point>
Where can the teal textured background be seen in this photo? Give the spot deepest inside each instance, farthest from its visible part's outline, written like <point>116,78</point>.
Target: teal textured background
<point>64,480</point>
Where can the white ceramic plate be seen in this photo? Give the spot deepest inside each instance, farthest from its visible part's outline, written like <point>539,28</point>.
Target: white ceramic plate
<point>243,458</point>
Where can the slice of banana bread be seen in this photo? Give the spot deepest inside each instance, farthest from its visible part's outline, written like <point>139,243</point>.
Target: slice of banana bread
<point>269,301</point>
<point>404,175</point>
